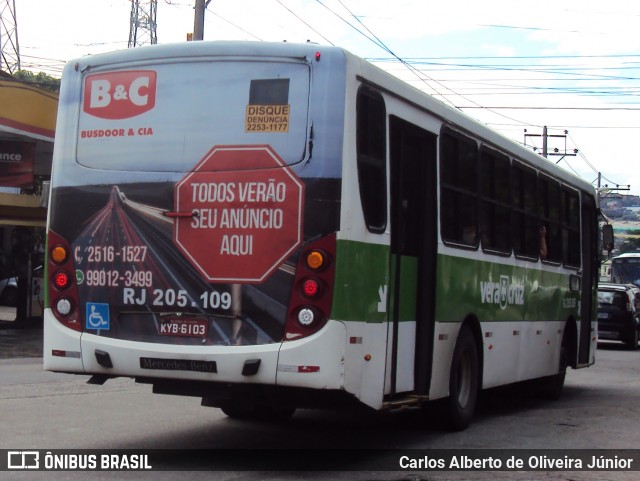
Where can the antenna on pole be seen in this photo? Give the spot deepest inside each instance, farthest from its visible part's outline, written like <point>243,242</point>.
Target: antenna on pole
<point>9,48</point>
<point>142,29</point>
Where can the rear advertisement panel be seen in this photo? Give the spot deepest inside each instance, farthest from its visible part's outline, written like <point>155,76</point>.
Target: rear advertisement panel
<point>188,209</point>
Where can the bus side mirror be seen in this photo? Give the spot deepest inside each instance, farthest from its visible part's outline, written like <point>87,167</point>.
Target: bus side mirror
<point>607,237</point>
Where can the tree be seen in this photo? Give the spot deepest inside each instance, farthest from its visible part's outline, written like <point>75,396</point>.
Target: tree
<point>40,80</point>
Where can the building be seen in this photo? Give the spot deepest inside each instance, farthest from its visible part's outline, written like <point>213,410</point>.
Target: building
<point>27,130</point>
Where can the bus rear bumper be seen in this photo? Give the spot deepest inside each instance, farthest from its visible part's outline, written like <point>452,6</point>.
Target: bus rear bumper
<point>117,357</point>
<point>316,362</point>
<point>61,346</point>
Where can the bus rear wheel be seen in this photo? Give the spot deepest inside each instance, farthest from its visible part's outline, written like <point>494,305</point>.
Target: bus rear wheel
<point>463,381</point>
<point>552,386</point>
<point>632,340</point>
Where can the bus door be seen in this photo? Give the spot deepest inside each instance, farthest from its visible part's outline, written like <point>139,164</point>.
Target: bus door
<point>413,257</point>
<point>589,275</point>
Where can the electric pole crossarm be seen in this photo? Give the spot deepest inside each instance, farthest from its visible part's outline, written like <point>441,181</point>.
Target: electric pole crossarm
<point>545,143</point>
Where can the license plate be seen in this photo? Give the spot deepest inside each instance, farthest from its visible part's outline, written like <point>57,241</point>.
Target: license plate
<point>603,315</point>
<point>183,327</point>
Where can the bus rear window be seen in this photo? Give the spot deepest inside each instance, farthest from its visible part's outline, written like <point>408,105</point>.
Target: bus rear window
<point>166,117</point>
<point>269,92</point>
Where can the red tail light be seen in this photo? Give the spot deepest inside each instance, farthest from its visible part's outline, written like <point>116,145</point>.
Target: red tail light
<point>310,287</point>
<point>61,280</point>
<point>63,291</point>
<point>311,298</point>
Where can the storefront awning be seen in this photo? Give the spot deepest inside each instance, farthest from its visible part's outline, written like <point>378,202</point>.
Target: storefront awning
<point>26,110</point>
<point>27,116</point>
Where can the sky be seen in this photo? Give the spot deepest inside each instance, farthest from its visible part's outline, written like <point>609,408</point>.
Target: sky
<point>570,65</point>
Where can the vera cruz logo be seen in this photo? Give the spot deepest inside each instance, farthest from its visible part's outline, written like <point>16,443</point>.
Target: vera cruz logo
<point>120,95</point>
<point>506,292</point>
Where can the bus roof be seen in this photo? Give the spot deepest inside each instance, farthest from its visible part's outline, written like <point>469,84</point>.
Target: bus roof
<point>371,73</point>
<point>627,255</point>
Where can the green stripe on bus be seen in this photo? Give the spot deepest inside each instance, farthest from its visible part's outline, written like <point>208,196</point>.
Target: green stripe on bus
<point>490,291</point>
<point>499,292</point>
<point>362,269</point>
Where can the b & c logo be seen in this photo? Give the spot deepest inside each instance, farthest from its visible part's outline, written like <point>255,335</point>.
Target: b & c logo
<point>120,95</point>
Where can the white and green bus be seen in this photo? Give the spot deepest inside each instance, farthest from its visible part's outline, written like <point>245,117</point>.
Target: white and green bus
<point>277,226</point>
<point>625,268</point>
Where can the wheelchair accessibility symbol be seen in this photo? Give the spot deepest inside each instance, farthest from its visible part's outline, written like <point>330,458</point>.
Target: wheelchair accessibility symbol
<point>97,316</point>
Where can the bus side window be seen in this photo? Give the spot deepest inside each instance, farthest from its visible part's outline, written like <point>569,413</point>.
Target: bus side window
<point>459,189</point>
<point>371,134</point>
<point>549,211</point>
<point>495,208</point>
<point>570,217</point>
<point>525,228</point>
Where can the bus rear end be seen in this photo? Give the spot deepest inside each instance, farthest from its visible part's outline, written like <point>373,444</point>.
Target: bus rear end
<point>194,206</point>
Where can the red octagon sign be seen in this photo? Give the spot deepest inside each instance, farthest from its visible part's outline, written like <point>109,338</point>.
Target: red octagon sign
<point>238,214</point>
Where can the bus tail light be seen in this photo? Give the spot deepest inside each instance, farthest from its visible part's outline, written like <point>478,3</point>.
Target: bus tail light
<point>311,288</point>
<point>312,294</point>
<point>59,254</point>
<point>306,316</point>
<point>61,280</point>
<point>314,259</point>
<point>61,287</point>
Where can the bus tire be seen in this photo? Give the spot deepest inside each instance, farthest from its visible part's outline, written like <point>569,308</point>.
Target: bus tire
<point>632,342</point>
<point>464,381</point>
<point>553,385</point>
<point>9,297</point>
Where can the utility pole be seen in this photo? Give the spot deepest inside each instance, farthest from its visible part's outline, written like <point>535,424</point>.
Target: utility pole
<point>545,144</point>
<point>198,21</point>
<point>142,27</point>
<point>9,48</point>
<point>604,190</point>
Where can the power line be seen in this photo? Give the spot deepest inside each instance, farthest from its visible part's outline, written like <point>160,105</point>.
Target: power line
<point>537,107</point>
<point>508,57</point>
<point>569,72</point>
<point>303,21</point>
<point>612,127</point>
<point>233,24</point>
<point>409,66</point>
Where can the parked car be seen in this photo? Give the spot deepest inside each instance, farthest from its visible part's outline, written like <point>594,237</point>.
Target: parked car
<point>619,313</point>
<point>9,292</point>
